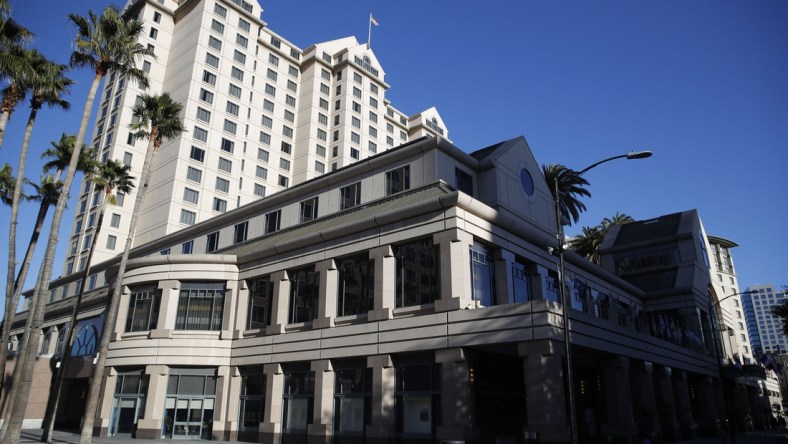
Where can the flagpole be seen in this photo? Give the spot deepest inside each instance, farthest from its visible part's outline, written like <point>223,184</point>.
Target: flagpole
<point>369,34</point>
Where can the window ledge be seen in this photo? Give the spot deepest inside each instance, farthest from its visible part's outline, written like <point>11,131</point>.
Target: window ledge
<point>414,310</point>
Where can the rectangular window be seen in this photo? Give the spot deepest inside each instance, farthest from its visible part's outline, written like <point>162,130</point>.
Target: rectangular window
<point>220,10</point>
<point>356,107</point>
<point>267,122</point>
<point>372,146</point>
<point>417,273</point>
<point>156,17</point>
<point>355,122</point>
<point>270,90</point>
<point>259,190</point>
<point>320,167</point>
<point>290,117</point>
<point>287,132</point>
<point>197,154</point>
<point>265,139</point>
<point>234,90</point>
<point>230,126</point>
<point>268,105</point>
<point>188,217</point>
<point>219,205</point>
<point>262,155</point>
<point>154,33</point>
<point>373,102</point>
<point>143,314</point>
<point>417,398</point>
<point>217,26</point>
<point>240,232</point>
<point>291,101</point>
<point>210,60</point>
<point>350,196</point>
<point>225,165</point>
<point>206,96</point>
<point>463,181</point>
<point>145,67</point>
<point>111,240</point>
<point>354,153</point>
<point>227,145</point>
<point>239,57</point>
<point>355,137</point>
<point>200,306</point>
<point>356,285</point>
<point>482,278</point>
<point>212,242</point>
<point>127,156</point>
<point>214,43</point>
<point>114,221</point>
<point>308,210</point>
<point>203,114</point>
<point>232,108</point>
<point>200,134</point>
<point>298,400</point>
<point>260,299</point>
<point>261,172</point>
<point>271,74</point>
<point>398,180</point>
<point>272,221</point>
<point>293,71</point>
<point>237,74</point>
<point>209,78</point>
<point>292,86</point>
<point>304,293</point>
<point>187,247</point>
<point>241,40</point>
<point>284,182</point>
<point>320,150</point>
<point>373,132</point>
<point>190,195</point>
<point>222,185</point>
<point>273,60</point>
<point>323,104</point>
<point>322,135</point>
<point>244,25</point>
<point>194,174</point>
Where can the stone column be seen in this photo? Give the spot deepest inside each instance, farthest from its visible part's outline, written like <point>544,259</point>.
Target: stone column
<point>456,400</point>
<point>385,283</point>
<point>544,389</point>
<point>149,426</point>
<point>689,429</point>
<point>229,309</point>
<point>221,421</point>
<point>123,313</point>
<point>280,304</point>
<point>168,309</point>
<point>666,405</point>
<point>232,400</point>
<point>618,400</point>
<point>106,398</point>
<point>455,271</point>
<point>327,302</point>
<point>504,291</point>
<point>645,402</point>
<point>271,427</point>
<point>242,309</point>
<point>708,404</point>
<point>382,418</point>
<point>322,416</point>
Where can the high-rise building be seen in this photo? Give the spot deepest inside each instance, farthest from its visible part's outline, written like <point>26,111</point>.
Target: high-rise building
<point>261,116</point>
<point>762,324</point>
<point>729,299</point>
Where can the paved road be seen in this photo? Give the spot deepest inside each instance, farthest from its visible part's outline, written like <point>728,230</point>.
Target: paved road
<point>32,436</point>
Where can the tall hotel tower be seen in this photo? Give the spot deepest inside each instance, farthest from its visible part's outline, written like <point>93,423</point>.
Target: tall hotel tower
<point>261,115</point>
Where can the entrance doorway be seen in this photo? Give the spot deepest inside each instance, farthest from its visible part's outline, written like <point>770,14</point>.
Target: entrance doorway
<point>188,418</point>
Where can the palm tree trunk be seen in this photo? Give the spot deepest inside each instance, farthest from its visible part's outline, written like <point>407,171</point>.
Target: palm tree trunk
<point>12,435</point>
<point>112,312</point>
<point>20,177</point>
<point>54,392</point>
<point>3,123</point>
<point>10,308</point>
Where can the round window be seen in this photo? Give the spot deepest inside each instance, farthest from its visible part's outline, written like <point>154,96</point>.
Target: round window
<point>527,182</point>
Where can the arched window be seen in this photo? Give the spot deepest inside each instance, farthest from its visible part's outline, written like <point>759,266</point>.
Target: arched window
<point>85,342</point>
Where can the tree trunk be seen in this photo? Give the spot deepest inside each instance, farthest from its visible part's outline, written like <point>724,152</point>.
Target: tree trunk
<point>54,392</point>
<point>8,104</point>
<point>20,177</point>
<point>10,309</point>
<point>12,435</point>
<point>112,312</point>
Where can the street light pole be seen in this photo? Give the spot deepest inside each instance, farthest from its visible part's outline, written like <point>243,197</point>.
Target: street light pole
<point>558,198</point>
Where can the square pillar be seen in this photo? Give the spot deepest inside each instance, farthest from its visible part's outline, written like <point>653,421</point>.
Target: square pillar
<point>455,269</point>
<point>381,428</point>
<point>280,303</point>
<point>687,425</point>
<point>241,309</point>
<point>545,394</point>
<point>327,301</point>
<point>149,426</point>
<point>168,309</point>
<point>645,402</point>
<point>230,306</point>
<point>666,406</point>
<point>104,408</point>
<point>618,399</point>
<point>123,313</point>
<point>323,413</point>
<point>504,292</point>
<point>233,401</point>
<point>456,401</point>
<point>220,430</point>
<point>385,283</point>
<point>271,427</point>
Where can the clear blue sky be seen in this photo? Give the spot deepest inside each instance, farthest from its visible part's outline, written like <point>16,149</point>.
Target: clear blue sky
<point>703,84</point>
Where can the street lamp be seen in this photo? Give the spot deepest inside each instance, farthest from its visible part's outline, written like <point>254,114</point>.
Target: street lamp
<point>561,287</point>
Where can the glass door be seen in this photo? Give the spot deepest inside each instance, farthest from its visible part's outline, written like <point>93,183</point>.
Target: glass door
<point>125,412</point>
<point>188,418</point>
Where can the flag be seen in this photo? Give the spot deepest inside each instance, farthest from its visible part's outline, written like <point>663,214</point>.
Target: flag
<point>373,20</point>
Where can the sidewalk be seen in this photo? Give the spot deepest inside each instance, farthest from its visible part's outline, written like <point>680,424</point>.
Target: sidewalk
<point>32,436</point>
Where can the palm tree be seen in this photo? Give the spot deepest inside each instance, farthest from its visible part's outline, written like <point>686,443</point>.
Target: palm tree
<point>570,189</point>
<point>16,67</point>
<point>113,177</point>
<point>59,156</point>
<point>157,118</point>
<point>7,185</point>
<point>588,243</point>
<point>46,86</point>
<point>104,43</point>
